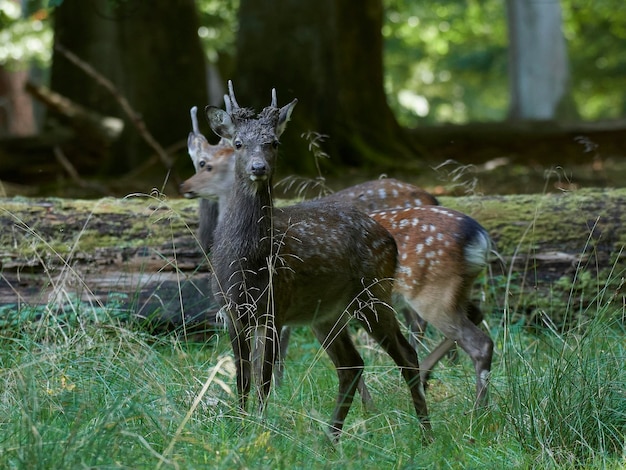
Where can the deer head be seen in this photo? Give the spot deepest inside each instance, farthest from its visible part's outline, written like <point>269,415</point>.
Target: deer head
<point>254,138</point>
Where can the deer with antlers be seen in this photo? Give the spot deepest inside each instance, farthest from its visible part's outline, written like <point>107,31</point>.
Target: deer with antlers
<point>214,165</point>
<point>441,253</point>
<point>314,263</point>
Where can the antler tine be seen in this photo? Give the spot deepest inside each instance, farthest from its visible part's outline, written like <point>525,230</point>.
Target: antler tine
<point>274,100</point>
<point>194,119</point>
<point>232,94</point>
<point>228,105</point>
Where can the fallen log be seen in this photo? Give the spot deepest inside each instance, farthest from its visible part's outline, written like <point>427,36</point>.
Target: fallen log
<point>524,142</point>
<point>144,248</point>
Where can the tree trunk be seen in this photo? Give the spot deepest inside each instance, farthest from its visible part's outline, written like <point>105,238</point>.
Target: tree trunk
<point>16,107</point>
<point>538,62</point>
<point>328,54</point>
<point>146,248</point>
<point>151,53</point>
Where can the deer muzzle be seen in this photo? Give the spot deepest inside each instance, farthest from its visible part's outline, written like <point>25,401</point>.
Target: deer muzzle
<point>258,170</point>
<point>187,191</point>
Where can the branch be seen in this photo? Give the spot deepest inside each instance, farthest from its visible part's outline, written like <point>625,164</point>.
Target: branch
<point>75,176</point>
<point>135,117</point>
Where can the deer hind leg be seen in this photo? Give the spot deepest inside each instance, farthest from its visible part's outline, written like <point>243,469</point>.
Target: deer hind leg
<point>335,339</point>
<point>447,346</point>
<point>383,326</point>
<point>415,323</point>
<point>479,346</point>
<point>417,330</point>
<point>279,370</point>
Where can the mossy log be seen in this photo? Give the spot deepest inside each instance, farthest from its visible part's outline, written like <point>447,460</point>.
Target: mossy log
<point>54,250</point>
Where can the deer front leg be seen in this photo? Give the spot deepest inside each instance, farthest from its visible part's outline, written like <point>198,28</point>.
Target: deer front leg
<point>349,366</point>
<point>241,352</point>
<point>267,343</point>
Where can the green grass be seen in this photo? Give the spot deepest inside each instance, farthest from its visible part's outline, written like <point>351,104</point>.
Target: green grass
<point>95,393</point>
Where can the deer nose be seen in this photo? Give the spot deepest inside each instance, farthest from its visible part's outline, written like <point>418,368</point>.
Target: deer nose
<point>258,170</point>
<point>188,193</point>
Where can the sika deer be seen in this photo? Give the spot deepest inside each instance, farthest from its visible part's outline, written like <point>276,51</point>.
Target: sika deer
<point>214,178</point>
<point>314,264</point>
<point>217,161</point>
<point>440,254</point>
<point>214,165</point>
<point>439,287</point>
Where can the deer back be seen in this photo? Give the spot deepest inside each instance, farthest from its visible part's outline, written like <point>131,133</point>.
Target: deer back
<point>326,256</point>
<point>216,181</point>
<point>383,194</point>
<point>440,253</point>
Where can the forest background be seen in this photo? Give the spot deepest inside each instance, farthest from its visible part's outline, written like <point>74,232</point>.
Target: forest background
<point>391,86</point>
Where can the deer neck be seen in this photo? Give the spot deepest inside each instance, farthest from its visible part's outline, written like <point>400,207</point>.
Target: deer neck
<point>245,222</point>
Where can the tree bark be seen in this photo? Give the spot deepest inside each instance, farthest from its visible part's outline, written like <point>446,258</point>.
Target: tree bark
<point>328,54</point>
<point>146,248</point>
<point>16,108</point>
<point>538,62</point>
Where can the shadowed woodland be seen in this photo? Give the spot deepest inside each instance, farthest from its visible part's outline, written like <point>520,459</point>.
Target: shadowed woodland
<point>100,107</point>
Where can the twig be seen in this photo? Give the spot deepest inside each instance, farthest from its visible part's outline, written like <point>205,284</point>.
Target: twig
<point>74,175</point>
<point>135,118</point>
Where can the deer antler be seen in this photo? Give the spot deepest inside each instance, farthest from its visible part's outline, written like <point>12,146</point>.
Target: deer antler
<point>274,103</point>
<point>194,119</point>
<point>228,105</point>
<point>231,92</point>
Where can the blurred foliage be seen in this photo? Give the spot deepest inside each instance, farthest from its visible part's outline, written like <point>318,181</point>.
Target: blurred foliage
<point>25,37</point>
<point>445,61</point>
<point>596,35</point>
<point>219,27</point>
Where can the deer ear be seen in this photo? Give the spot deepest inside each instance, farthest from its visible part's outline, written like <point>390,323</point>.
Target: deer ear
<point>195,145</point>
<point>284,116</point>
<point>220,121</point>
<point>192,146</point>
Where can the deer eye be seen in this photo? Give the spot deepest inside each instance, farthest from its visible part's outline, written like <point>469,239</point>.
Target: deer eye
<point>275,144</point>
<point>238,144</point>
<point>201,163</point>
<point>209,168</point>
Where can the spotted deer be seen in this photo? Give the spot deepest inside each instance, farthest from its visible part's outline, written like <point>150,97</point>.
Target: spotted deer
<point>441,252</point>
<point>314,263</point>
